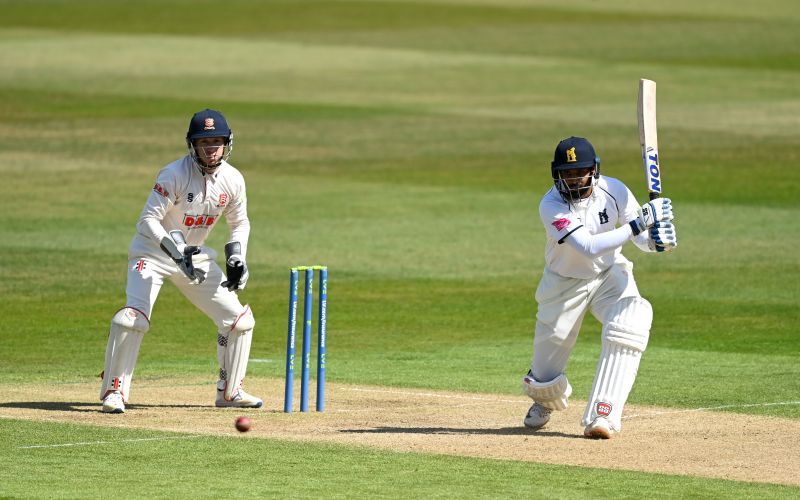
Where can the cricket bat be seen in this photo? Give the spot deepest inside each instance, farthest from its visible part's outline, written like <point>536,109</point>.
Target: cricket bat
<point>648,136</point>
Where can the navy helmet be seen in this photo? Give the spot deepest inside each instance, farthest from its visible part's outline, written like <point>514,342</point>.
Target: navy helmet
<point>208,123</point>
<point>571,153</point>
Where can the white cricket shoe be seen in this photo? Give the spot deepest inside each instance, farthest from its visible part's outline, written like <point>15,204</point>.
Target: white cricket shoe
<point>240,399</point>
<point>600,428</point>
<point>537,416</point>
<point>113,403</point>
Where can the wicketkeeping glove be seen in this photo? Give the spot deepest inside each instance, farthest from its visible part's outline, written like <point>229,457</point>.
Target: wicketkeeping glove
<point>175,246</point>
<point>663,237</point>
<point>235,267</point>
<point>653,211</point>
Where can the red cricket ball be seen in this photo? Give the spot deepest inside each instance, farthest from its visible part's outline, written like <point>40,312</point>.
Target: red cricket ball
<point>242,424</point>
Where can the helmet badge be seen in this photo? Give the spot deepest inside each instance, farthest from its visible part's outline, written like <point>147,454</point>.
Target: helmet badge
<point>209,125</point>
<point>571,156</point>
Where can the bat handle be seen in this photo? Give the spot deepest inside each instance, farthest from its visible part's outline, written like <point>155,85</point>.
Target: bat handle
<point>654,195</point>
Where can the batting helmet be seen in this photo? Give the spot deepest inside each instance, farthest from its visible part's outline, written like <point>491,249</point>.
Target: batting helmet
<point>574,153</point>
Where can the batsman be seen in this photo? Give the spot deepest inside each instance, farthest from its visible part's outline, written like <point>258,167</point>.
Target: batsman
<point>587,219</point>
<point>188,199</point>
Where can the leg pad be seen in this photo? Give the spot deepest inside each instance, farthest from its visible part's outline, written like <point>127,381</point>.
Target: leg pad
<point>128,327</point>
<point>625,337</point>
<point>553,394</point>
<point>233,349</point>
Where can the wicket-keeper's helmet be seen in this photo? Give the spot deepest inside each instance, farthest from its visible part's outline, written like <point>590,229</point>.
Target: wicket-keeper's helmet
<point>209,123</point>
<point>573,153</point>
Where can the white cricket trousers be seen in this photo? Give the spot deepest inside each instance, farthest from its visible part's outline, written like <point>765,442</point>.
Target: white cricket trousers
<point>562,305</point>
<point>146,276</point>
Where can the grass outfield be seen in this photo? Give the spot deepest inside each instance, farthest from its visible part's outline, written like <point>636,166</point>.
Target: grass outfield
<point>406,145</point>
<point>145,466</point>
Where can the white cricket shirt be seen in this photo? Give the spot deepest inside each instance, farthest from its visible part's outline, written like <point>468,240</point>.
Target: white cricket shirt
<point>610,205</point>
<point>185,199</point>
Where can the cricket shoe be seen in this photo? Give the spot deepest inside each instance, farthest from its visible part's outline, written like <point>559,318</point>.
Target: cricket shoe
<point>113,403</point>
<point>600,428</point>
<point>240,399</point>
<point>537,416</point>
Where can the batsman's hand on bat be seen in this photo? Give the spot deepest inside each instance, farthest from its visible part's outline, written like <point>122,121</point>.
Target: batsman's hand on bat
<point>235,267</point>
<point>175,246</point>
<point>663,237</point>
<point>658,210</point>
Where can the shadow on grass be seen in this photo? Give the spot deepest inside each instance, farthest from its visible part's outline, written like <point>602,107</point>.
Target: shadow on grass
<point>84,406</point>
<point>502,431</point>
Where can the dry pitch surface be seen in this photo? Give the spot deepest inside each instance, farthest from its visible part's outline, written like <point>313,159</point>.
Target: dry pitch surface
<point>689,442</point>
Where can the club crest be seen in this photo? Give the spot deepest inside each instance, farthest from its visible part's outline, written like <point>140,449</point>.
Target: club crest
<point>571,156</point>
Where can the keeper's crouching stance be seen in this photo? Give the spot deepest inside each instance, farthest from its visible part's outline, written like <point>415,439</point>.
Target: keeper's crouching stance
<point>187,200</point>
<point>588,218</point>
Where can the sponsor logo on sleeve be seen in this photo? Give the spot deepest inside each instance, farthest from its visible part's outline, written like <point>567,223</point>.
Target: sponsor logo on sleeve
<point>223,200</point>
<point>561,224</point>
<point>158,188</point>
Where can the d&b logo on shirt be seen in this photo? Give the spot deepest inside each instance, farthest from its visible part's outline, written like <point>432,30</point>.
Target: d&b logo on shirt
<point>204,220</point>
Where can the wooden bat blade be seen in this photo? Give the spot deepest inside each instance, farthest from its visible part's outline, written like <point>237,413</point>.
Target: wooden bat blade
<point>648,136</point>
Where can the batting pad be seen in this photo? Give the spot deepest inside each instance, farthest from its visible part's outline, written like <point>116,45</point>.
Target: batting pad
<point>233,351</point>
<point>128,327</point>
<point>629,323</point>
<point>625,336</point>
<point>553,394</point>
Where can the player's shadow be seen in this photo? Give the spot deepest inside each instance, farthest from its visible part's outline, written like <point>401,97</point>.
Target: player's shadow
<point>83,407</point>
<point>502,431</point>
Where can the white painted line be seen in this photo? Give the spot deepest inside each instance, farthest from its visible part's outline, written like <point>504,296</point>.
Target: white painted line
<point>710,408</point>
<point>261,360</point>
<point>522,399</point>
<point>92,443</point>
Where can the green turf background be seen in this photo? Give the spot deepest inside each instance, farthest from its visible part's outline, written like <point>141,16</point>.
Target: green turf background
<point>405,145</point>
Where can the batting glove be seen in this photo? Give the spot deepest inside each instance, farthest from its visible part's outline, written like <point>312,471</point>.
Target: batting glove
<point>663,237</point>
<point>653,211</point>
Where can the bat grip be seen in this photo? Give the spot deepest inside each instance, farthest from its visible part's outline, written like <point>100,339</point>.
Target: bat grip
<point>654,195</point>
